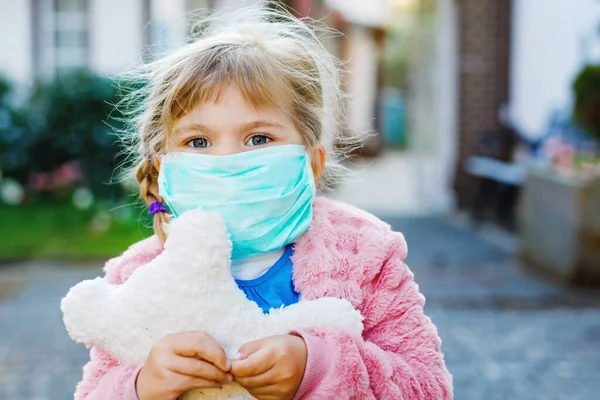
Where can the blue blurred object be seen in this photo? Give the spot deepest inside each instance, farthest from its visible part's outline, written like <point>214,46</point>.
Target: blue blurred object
<point>562,127</point>
<point>393,117</point>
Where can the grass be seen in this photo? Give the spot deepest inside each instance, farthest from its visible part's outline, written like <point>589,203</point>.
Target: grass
<point>61,231</point>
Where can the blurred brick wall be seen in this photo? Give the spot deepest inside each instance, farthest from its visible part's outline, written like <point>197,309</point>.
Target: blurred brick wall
<point>484,49</point>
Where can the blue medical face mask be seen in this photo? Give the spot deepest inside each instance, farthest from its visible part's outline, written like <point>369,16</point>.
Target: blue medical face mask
<point>264,196</point>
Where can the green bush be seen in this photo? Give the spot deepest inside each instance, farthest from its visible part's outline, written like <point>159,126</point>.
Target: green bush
<point>586,92</point>
<point>71,118</point>
<point>74,120</point>
<point>15,135</point>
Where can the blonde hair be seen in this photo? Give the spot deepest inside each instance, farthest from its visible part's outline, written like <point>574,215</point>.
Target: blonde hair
<point>270,56</point>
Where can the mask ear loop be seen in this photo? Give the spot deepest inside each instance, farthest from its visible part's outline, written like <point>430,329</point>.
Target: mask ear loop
<point>311,175</point>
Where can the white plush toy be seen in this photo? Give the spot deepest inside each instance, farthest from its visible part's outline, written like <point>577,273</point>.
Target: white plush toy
<point>188,287</point>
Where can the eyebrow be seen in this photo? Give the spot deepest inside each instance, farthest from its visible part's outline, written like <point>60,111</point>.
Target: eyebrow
<point>245,127</point>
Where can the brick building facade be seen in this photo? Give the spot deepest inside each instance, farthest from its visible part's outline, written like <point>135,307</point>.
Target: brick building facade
<point>484,52</point>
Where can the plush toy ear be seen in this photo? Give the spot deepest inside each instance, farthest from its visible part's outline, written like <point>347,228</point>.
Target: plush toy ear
<point>84,310</point>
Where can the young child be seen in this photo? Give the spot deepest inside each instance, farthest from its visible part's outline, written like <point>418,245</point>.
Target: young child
<point>243,121</point>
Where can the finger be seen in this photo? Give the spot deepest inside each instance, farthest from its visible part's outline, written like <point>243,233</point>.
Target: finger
<point>268,378</point>
<point>250,348</point>
<point>185,382</point>
<point>201,344</point>
<point>198,369</point>
<point>258,363</point>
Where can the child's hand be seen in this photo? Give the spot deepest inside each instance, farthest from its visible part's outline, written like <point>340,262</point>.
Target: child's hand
<point>180,362</point>
<point>271,368</point>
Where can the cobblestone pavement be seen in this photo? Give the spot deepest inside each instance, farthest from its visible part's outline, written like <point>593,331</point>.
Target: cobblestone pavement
<point>506,335</point>
<point>38,360</point>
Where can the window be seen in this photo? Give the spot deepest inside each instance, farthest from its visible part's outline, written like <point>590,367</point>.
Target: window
<point>61,37</point>
<point>70,34</point>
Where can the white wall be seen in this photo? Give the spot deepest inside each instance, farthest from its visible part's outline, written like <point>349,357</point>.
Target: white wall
<point>116,35</point>
<point>423,89</point>
<point>433,106</point>
<point>447,95</point>
<point>551,40</point>
<point>15,39</point>
<point>376,13</point>
<point>362,80</point>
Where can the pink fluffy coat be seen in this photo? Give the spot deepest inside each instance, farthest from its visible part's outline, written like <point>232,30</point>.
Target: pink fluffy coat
<point>349,254</point>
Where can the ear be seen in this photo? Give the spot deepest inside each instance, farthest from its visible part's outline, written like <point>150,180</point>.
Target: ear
<point>318,156</point>
<point>157,163</point>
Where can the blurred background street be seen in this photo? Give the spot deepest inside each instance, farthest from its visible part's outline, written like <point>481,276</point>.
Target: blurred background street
<point>483,129</point>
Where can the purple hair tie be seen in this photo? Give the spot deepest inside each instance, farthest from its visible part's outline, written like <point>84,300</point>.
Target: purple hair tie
<point>156,207</point>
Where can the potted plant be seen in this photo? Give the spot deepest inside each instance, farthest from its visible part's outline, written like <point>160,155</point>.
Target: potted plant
<point>586,91</point>
<point>560,207</point>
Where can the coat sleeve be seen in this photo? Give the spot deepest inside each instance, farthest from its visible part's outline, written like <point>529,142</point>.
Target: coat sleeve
<point>398,355</point>
<point>103,378</point>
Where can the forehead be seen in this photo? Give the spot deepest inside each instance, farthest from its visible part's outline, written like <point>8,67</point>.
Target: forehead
<point>231,107</point>
<point>245,97</point>
<point>217,70</point>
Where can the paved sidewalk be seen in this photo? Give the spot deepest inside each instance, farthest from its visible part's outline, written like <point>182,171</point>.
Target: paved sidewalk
<point>506,334</point>
<point>38,360</point>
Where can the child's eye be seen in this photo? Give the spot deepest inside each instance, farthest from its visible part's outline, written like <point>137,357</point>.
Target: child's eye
<point>258,140</point>
<point>199,143</point>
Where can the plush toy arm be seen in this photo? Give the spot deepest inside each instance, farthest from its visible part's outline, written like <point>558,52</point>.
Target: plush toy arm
<point>84,310</point>
<point>326,311</point>
<point>103,377</point>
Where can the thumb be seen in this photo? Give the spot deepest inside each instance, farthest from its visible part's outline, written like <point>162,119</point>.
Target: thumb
<point>248,349</point>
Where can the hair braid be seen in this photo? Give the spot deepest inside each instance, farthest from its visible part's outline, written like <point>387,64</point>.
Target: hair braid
<point>147,178</point>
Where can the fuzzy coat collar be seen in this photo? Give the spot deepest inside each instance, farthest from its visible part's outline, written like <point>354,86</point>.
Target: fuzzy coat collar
<point>340,255</point>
